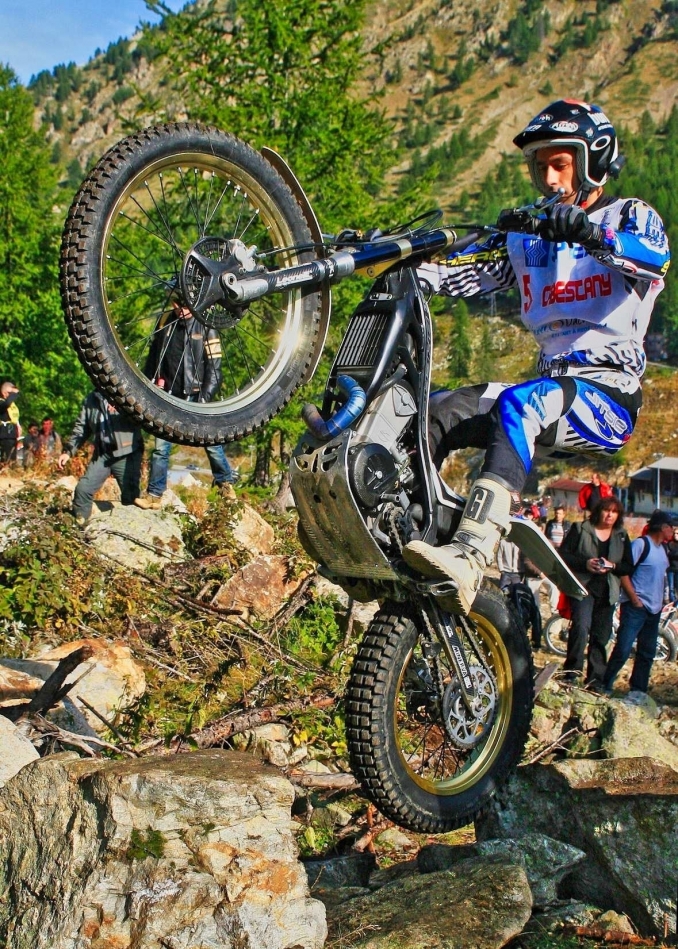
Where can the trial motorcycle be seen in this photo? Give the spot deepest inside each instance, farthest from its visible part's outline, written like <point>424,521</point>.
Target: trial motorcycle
<point>438,706</point>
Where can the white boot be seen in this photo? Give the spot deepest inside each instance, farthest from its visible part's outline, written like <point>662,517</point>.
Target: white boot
<point>486,519</point>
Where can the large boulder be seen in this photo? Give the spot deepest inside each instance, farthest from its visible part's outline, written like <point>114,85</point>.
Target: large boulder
<point>185,851</point>
<point>137,538</point>
<point>481,902</point>
<point>623,813</point>
<point>546,861</point>
<point>260,588</point>
<point>605,727</point>
<point>112,681</point>
<point>16,751</point>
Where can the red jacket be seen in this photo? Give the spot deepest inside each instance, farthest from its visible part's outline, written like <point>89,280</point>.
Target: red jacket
<point>585,493</point>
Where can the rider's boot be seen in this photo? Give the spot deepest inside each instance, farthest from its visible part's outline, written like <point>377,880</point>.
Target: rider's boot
<point>486,519</point>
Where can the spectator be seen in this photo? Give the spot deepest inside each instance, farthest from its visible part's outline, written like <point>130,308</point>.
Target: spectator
<point>642,601</point>
<point>672,573</point>
<point>9,421</point>
<point>31,445</point>
<point>543,511</point>
<point>598,551</point>
<point>50,440</point>
<point>558,527</point>
<point>593,492</point>
<point>118,450</point>
<point>185,360</point>
<point>508,564</point>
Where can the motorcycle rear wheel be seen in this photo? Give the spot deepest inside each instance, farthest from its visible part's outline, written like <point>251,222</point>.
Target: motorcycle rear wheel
<point>151,198</point>
<point>400,750</point>
<point>667,651</point>
<point>555,634</point>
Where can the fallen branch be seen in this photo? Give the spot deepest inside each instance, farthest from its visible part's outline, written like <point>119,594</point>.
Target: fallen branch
<point>614,936</point>
<point>324,782</point>
<point>53,690</point>
<point>375,827</point>
<point>84,742</point>
<point>219,731</point>
<point>296,602</point>
<point>109,725</point>
<point>559,744</point>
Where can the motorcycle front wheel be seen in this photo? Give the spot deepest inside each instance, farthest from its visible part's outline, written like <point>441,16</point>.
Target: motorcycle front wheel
<point>125,272</point>
<point>425,761</point>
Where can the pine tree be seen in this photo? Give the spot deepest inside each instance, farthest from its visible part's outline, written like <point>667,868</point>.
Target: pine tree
<point>34,347</point>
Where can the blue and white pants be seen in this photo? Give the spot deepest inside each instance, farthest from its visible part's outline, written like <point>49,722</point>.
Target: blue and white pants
<point>551,415</point>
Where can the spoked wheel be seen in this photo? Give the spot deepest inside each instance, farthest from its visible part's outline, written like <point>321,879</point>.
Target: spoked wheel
<point>125,272</point>
<point>427,761</point>
<point>666,647</point>
<point>555,634</point>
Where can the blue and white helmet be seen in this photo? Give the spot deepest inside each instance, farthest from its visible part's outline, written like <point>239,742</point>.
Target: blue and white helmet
<point>581,126</point>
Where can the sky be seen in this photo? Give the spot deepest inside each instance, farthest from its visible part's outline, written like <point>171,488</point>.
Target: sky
<point>40,34</point>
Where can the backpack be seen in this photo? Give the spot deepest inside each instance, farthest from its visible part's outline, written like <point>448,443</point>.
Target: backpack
<point>645,553</point>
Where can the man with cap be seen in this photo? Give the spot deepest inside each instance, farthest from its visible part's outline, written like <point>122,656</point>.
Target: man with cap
<point>588,278</point>
<point>642,600</point>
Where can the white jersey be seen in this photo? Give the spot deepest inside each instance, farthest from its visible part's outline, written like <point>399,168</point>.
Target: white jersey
<point>583,308</point>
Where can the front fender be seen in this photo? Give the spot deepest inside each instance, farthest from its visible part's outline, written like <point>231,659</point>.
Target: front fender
<point>526,535</point>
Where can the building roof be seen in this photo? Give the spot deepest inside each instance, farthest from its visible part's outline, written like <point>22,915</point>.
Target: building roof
<point>566,484</point>
<point>667,463</point>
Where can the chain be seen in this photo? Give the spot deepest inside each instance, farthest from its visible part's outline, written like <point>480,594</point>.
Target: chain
<point>393,529</point>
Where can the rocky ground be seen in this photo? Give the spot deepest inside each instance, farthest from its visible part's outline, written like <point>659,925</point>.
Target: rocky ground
<point>207,624</point>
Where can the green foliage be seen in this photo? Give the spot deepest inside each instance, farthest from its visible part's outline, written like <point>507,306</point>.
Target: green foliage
<point>526,31</point>
<point>459,346</point>
<point>143,845</point>
<point>315,633</point>
<point>34,347</point>
<point>122,94</point>
<point>45,573</point>
<point>651,174</point>
<point>118,56</point>
<point>283,75</point>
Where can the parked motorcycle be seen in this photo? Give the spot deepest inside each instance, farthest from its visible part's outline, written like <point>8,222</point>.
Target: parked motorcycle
<point>557,628</point>
<point>438,706</point>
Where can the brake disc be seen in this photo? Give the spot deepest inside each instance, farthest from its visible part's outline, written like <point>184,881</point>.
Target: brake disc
<point>466,728</point>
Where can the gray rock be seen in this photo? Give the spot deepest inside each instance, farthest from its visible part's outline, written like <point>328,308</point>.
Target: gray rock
<point>15,750</point>
<point>353,870</point>
<point>396,840</point>
<point>137,538</point>
<point>572,912</point>
<point>546,861</point>
<point>622,813</point>
<point>480,903</point>
<point>179,851</point>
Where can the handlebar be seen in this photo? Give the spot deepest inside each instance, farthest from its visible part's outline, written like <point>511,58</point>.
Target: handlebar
<point>370,259</point>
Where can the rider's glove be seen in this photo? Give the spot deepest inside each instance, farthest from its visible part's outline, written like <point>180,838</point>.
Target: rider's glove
<point>513,219</point>
<point>570,223</point>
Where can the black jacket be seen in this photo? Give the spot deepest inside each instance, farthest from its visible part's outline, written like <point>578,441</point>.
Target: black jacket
<point>185,358</point>
<point>113,434</point>
<point>582,544</point>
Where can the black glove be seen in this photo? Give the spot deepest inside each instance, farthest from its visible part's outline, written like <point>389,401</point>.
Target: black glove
<point>511,219</point>
<point>570,223</point>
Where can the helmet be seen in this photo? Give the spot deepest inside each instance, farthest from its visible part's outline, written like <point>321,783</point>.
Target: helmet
<point>583,127</point>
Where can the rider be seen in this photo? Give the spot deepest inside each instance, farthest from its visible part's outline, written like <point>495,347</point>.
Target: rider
<point>588,280</point>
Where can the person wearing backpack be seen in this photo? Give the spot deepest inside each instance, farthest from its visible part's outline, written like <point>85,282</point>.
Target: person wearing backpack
<point>598,551</point>
<point>642,602</point>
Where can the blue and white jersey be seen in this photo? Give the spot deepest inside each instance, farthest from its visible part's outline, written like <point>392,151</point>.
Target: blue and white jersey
<point>590,308</point>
